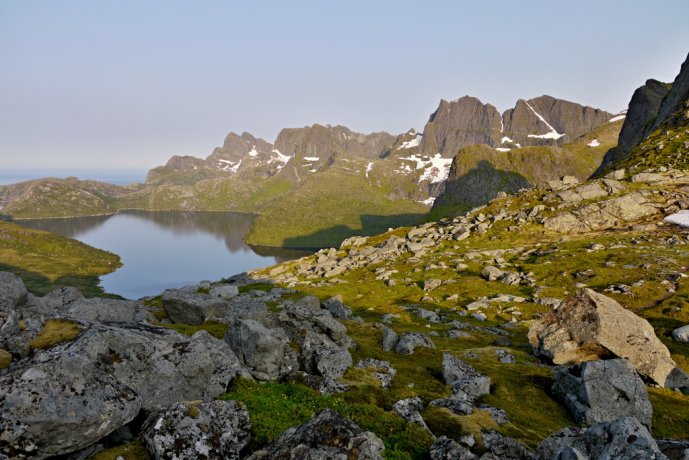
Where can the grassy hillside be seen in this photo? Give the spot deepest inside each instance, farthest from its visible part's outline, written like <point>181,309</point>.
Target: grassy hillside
<point>46,261</point>
<point>329,207</point>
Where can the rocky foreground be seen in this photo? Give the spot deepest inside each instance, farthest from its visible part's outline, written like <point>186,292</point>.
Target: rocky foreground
<point>547,325</point>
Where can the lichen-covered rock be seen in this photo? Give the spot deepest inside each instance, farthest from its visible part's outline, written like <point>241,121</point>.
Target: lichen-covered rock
<point>338,309</point>
<point>390,339</point>
<point>69,303</point>
<point>264,351</point>
<point>410,410</point>
<point>598,391</point>
<point>591,326</point>
<point>445,448</point>
<point>383,371</point>
<point>624,438</point>
<point>160,365</point>
<point>500,447</point>
<point>328,435</point>
<point>410,341</point>
<point>467,383</point>
<point>12,291</point>
<point>213,430</point>
<point>188,307</point>
<point>60,403</point>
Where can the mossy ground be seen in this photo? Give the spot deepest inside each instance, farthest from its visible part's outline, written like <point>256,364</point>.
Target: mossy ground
<point>5,358</point>
<point>45,261</point>
<point>54,332</point>
<point>645,262</point>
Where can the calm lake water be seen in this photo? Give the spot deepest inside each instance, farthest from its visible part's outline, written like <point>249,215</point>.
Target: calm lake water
<point>160,250</point>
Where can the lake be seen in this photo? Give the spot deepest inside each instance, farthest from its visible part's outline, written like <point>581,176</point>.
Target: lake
<point>160,250</point>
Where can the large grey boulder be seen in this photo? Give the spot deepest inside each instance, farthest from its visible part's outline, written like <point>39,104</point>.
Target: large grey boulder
<point>245,307</point>
<point>321,356</point>
<point>383,371</point>
<point>217,429</point>
<point>328,435</point>
<point>681,334</point>
<point>599,391</point>
<point>624,438</point>
<point>410,341</point>
<point>61,403</point>
<point>591,326</point>
<point>12,291</point>
<point>467,383</point>
<point>410,410</point>
<point>161,365</point>
<point>390,339</point>
<point>264,351</point>
<point>224,291</point>
<point>187,307</point>
<point>69,303</point>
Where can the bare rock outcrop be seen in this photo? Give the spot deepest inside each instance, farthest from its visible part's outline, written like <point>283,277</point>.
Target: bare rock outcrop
<point>592,326</point>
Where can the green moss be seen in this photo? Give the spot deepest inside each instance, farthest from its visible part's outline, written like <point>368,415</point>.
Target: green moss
<point>53,333</point>
<point>5,358</point>
<point>274,407</point>
<point>215,328</point>
<point>131,451</point>
<point>670,413</point>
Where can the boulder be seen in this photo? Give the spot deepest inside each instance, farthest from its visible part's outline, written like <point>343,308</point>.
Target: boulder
<point>390,339</point>
<point>186,307</point>
<point>264,351</point>
<point>69,303</point>
<point>160,365</point>
<point>591,326</point>
<point>337,308</point>
<point>224,291</point>
<point>410,341</point>
<point>12,291</point>
<point>60,403</point>
<point>624,438</point>
<point>217,429</point>
<point>467,383</point>
<point>681,334</point>
<point>327,435</point>
<point>321,356</point>
<point>599,391</point>
<point>410,410</point>
<point>491,273</point>
<point>445,448</point>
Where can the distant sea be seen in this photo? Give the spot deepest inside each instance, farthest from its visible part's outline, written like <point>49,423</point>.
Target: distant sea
<point>112,176</point>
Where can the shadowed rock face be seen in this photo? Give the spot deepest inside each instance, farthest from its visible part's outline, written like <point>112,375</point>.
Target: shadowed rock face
<point>643,108</point>
<point>677,98</point>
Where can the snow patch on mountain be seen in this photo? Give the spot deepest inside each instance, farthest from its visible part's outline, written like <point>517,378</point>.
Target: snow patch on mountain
<point>594,143</point>
<point>552,134</point>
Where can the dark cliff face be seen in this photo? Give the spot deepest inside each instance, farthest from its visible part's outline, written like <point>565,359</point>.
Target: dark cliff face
<point>642,111</point>
<point>544,120</point>
<point>456,124</point>
<point>677,98</point>
<point>651,105</point>
<point>237,147</point>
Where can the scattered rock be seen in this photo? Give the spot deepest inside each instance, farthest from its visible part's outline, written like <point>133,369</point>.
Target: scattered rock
<point>337,308</point>
<point>624,438</point>
<point>491,273</point>
<point>681,334</point>
<point>224,291</point>
<point>218,429</point>
<point>390,339</point>
<point>593,326</point>
<point>467,383</point>
<point>409,409</point>
<point>410,341</point>
<point>264,351</point>
<point>12,291</point>
<point>384,372</point>
<point>599,391</point>
<point>327,435</point>
<point>445,448</point>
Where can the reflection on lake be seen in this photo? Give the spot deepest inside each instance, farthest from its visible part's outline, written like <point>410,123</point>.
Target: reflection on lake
<point>160,250</point>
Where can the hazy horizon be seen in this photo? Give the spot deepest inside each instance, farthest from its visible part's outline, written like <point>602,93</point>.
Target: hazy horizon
<point>97,86</point>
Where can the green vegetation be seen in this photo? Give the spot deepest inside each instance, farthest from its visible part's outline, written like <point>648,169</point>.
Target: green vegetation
<point>54,332</point>
<point>46,261</point>
<point>215,328</point>
<point>132,451</point>
<point>274,407</point>
<point>5,358</point>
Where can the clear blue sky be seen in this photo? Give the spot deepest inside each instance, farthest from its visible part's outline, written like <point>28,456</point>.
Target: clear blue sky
<point>129,83</point>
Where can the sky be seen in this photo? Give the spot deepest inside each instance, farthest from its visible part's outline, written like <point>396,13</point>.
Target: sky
<point>127,84</point>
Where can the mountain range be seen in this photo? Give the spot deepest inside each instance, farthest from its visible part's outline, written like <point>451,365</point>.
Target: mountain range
<point>345,183</point>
